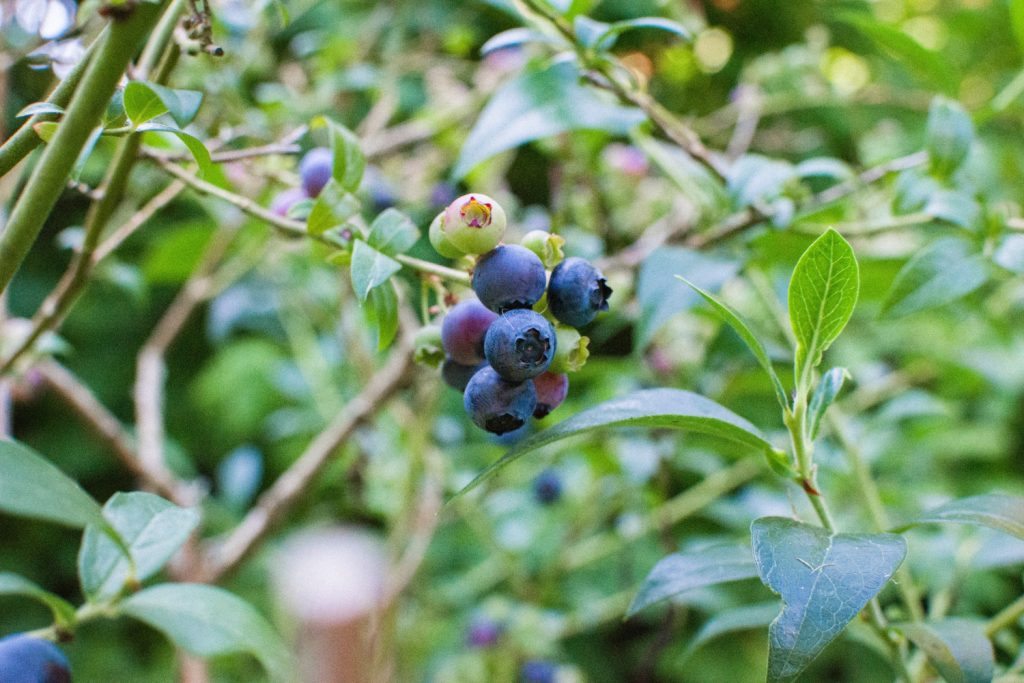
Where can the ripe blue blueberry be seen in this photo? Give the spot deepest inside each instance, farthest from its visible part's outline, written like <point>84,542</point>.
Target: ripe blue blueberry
<point>497,405</point>
<point>316,169</point>
<point>24,659</point>
<point>508,277</point>
<point>577,292</point>
<point>520,345</point>
<point>483,632</point>
<point>378,188</point>
<point>538,671</point>
<point>547,487</point>
<point>551,389</point>
<point>457,375</point>
<point>463,330</point>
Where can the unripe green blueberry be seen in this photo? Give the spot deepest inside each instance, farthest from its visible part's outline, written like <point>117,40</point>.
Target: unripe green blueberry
<point>474,223</point>
<point>571,351</point>
<point>440,241</point>
<point>427,348</point>
<point>547,246</point>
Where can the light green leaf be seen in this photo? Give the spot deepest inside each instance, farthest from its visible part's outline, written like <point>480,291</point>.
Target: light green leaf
<point>39,108</point>
<point>194,145</point>
<point>660,408</point>
<point>31,486</point>
<point>732,318</point>
<point>333,206</point>
<point>63,611</point>
<point>948,135</point>
<point>182,105</point>
<point>45,130</point>
<point>349,161</point>
<point>944,271</point>
<point>829,386</point>
<point>954,207</point>
<point>824,580</point>
<point>994,510</point>
<point>209,622</point>
<point>514,37</point>
<point>957,648</point>
<point>822,294</point>
<point>745,618</point>
<point>370,268</point>
<point>392,232</point>
<point>1017,22</point>
<point>537,105</point>
<point>824,167</point>
<point>142,103</point>
<point>680,572</point>
<point>381,311</point>
<point>152,528</point>
<point>589,31</point>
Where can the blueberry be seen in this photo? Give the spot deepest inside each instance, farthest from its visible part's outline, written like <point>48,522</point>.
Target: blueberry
<point>571,353</point>
<point>284,200</point>
<point>538,671</point>
<point>547,487</point>
<point>520,344</point>
<point>316,169</point>
<point>427,346</point>
<point>483,632</point>
<point>508,277</point>
<point>546,245</point>
<point>457,375</point>
<point>378,189</point>
<point>463,330</point>
<point>443,194</point>
<point>438,240</point>
<point>24,659</point>
<point>577,292</point>
<point>474,223</point>
<point>551,391</point>
<point>497,405</point>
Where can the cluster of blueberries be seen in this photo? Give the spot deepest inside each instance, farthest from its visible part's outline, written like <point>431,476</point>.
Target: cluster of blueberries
<point>508,350</point>
<point>25,659</point>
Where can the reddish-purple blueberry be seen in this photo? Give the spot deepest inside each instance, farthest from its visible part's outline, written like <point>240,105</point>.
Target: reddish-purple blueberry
<point>285,199</point>
<point>551,391</point>
<point>463,331</point>
<point>483,632</point>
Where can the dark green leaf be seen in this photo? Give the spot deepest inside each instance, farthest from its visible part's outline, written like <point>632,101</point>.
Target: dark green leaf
<point>829,386</point>
<point>333,206</point>
<point>392,232</point>
<point>63,611</point>
<point>208,622</point>
<point>381,311</point>
<point>31,486</point>
<point>822,294</point>
<point>944,271</point>
<point>142,103</point>
<point>731,318</point>
<point>194,145</point>
<point>349,162</point>
<point>39,108</point>
<point>538,105</point>
<point>824,580</point>
<point>152,528</point>
<point>662,408</point>
<point>948,135</point>
<point>679,572</point>
<point>370,268</point>
<point>957,648</point>
<point>994,510</point>
<point>744,618</point>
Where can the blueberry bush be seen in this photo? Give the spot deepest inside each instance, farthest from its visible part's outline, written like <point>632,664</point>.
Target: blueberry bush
<point>511,340</point>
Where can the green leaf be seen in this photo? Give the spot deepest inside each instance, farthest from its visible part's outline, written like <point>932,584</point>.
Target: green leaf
<point>822,294</point>
<point>589,31</point>
<point>31,486</point>
<point>182,105</point>
<point>209,622</point>
<point>607,39</point>
<point>948,135</point>
<point>392,232</point>
<point>39,108</point>
<point>680,572</point>
<point>744,618</point>
<point>349,162</point>
<point>754,179</point>
<point>957,648</point>
<point>829,386</point>
<point>661,298</point>
<point>732,318</point>
<point>370,268</point>
<point>824,580</point>
<point>994,510</point>
<point>660,408</point>
<point>45,130</point>
<point>944,271</point>
<point>142,103</point>
<point>954,207</point>
<point>153,529</point>
<point>333,206</point>
<point>514,37</point>
<point>63,611</point>
<point>381,311</point>
<point>824,167</point>
<point>1017,22</point>
<point>537,105</point>
<point>195,145</point>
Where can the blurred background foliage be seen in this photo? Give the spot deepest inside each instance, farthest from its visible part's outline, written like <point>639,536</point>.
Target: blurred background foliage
<point>937,398</point>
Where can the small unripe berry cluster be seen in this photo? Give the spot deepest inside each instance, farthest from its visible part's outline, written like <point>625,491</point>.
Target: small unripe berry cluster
<point>509,349</point>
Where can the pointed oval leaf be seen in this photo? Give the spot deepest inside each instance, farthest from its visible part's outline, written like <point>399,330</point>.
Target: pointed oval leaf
<point>349,161</point>
<point>370,268</point>
<point>824,580</point>
<point>944,271</point>
<point>142,103</point>
<point>182,105</point>
<point>208,622</point>
<point>948,135</point>
<point>63,611</point>
<point>680,572</point>
<point>514,37</point>
<point>392,232</point>
<point>333,206</point>
<point>31,486</point>
<point>153,529</point>
<point>745,618</point>
<point>822,294</point>
<point>381,311</point>
<point>39,108</point>
<point>663,408</point>
<point>994,510</point>
<point>957,648</point>
<point>195,145</point>
<point>610,36</point>
<point>825,393</point>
